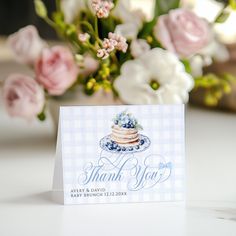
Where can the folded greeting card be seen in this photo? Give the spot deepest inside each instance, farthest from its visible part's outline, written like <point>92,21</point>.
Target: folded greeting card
<point>115,154</point>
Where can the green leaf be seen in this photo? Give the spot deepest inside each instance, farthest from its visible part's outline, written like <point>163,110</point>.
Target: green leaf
<point>139,127</point>
<point>232,4</point>
<point>71,31</point>
<point>164,6</point>
<point>58,17</point>
<point>223,16</point>
<point>225,2</point>
<point>147,29</point>
<point>187,66</point>
<point>40,8</point>
<point>115,2</point>
<point>58,5</point>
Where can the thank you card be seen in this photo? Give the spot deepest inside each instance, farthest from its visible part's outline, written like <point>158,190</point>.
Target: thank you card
<point>120,154</point>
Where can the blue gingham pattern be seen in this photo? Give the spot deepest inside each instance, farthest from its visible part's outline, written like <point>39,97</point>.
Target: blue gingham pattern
<point>83,127</point>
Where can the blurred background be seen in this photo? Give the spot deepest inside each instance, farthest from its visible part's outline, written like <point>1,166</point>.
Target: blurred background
<point>15,15</point>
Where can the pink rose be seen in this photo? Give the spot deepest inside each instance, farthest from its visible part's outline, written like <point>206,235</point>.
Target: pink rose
<point>26,45</point>
<point>23,96</point>
<point>56,70</point>
<point>182,32</point>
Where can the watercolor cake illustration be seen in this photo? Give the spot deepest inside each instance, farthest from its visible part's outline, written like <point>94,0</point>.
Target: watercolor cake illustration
<point>125,135</point>
<point>125,130</point>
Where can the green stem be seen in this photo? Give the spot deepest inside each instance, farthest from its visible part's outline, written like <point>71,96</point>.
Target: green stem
<point>76,45</point>
<point>89,26</point>
<point>99,41</point>
<point>58,5</point>
<point>115,2</point>
<point>50,22</point>
<point>92,31</point>
<point>96,26</point>
<point>90,46</point>
<point>114,58</point>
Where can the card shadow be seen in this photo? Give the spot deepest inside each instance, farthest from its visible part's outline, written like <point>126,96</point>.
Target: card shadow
<point>43,198</point>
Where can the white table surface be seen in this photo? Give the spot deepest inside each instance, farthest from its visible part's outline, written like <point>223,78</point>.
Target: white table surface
<point>26,169</point>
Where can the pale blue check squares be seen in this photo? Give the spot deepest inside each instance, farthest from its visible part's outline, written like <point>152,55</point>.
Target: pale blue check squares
<point>83,127</point>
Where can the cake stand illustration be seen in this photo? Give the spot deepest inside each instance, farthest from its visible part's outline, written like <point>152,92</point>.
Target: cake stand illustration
<point>125,137</point>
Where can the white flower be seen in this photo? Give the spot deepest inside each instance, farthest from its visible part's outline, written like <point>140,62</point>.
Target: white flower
<point>127,30</point>
<point>215,51</point>
<point>157,77</point>
<point>197,64</point>
<point>123,11</point>
<point>72,8</point>
<point>131,20</point>
<point>138,47</point>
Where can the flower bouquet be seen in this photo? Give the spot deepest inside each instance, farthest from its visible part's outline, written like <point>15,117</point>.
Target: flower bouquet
<point>110,47</point>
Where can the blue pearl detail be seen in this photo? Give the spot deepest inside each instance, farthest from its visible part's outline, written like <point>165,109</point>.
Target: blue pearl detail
<point>109,145</point>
